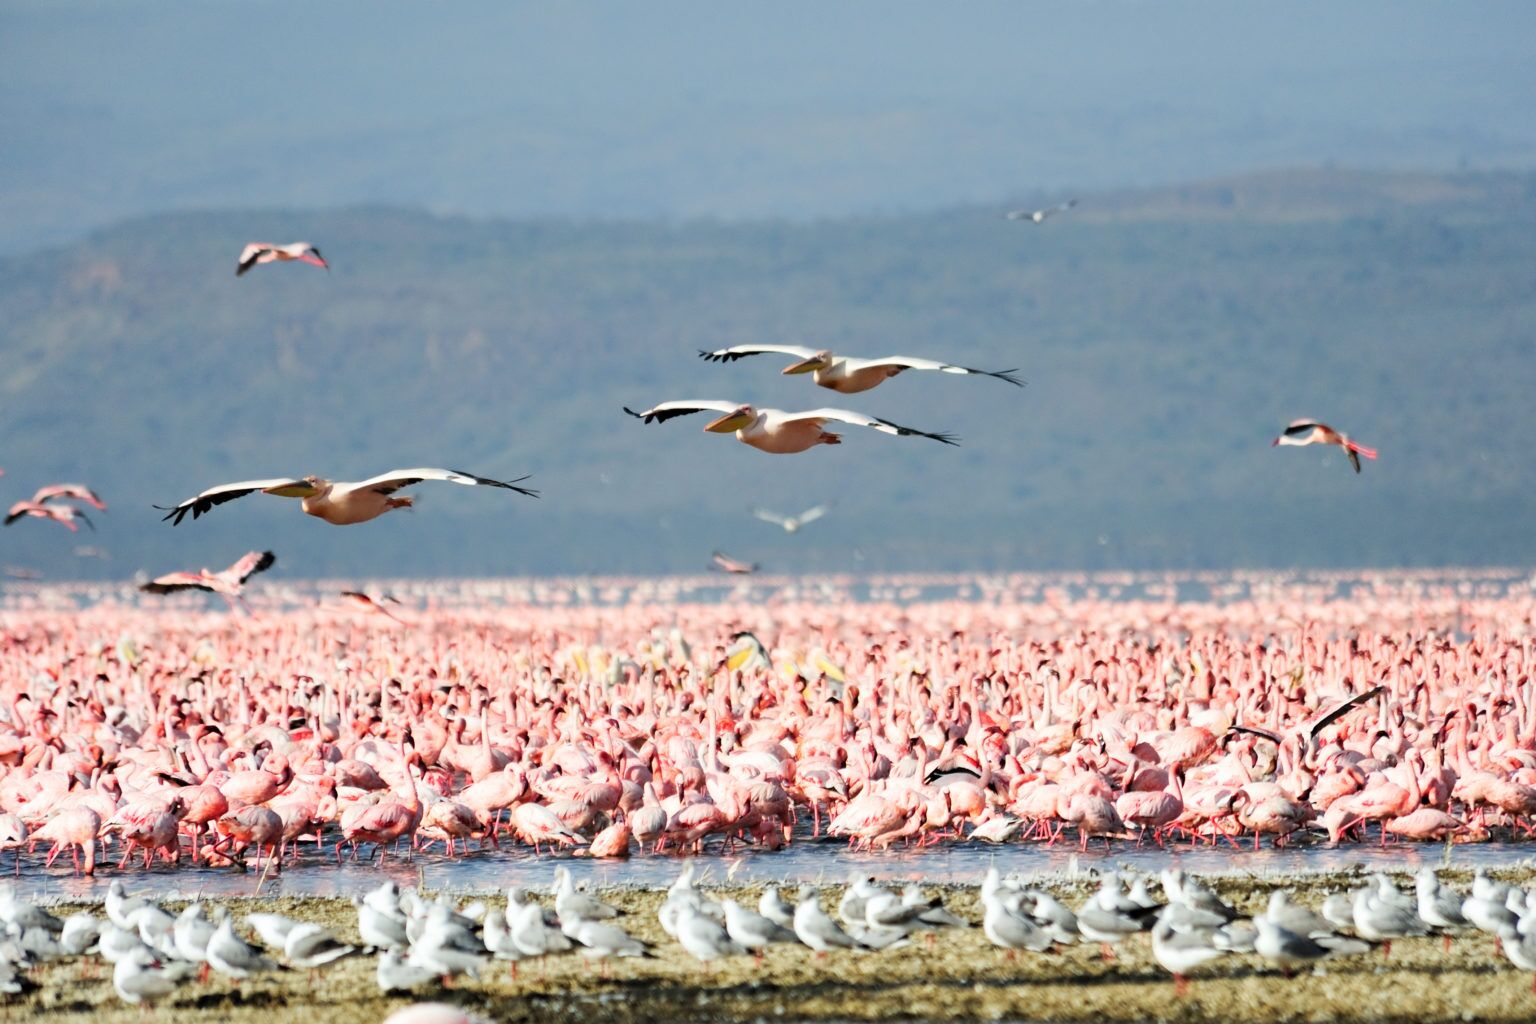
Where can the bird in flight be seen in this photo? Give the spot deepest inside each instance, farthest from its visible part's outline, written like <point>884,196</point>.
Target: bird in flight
<point>845,374</point>
<point>1039,216</point>
<point>227,584</point>
<point>776,431</point>
<point>1305,432</point>
<point>65,515</point>
<point>791,524</point>
<point>370,603</point>
<point>69,492</point>
<point>725,563</point>
<point>265,252</point>
<point>338,503</point>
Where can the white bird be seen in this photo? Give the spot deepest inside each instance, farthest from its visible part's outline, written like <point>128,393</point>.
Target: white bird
<point>792,524</point>
<point>776,431</point>
<point>231,955</point>
<point>532,935</point>
<point>1378,916</point>
<point>380,928</point>
<point>114,943</point>
<point>601,939</point>
<point>1179,951</point>
<point>1039,216</point>
<point>569,902</point>
<point>1439,906</point>
<point>192,932</point>
<point>311,945</point>
<point>814,928</point>
<point>497,935</point>
<point>394,974</point>
<point>1280,945</point>
<point>140,978</point>
<point>1006,926</point>
<point>845,374</point>
<point>704,937</point>
<point>257,253</point>
<point>776,908</point>
<point>338,503</point>
<point>120,906</point>
<point>933,913</point>
<point>754,931</point>
<point>274,929</point>
<point>81,930</point>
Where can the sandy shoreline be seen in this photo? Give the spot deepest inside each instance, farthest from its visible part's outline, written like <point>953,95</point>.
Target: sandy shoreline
<point>959,976</point>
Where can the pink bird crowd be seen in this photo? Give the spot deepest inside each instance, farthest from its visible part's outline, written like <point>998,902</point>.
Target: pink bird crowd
<point>129,734</point>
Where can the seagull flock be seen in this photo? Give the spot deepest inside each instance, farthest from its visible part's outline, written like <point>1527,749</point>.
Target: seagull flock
<point>419,943</point>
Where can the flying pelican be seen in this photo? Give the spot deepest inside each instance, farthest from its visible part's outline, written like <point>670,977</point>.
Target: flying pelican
<point>227,584</point>
<point>725,563</point>
<point>776,431</point>
<point>265,252</point>
<point>792,523</point>
<point>65,514</point>
<point>71,492</point>
<point>340,504</point>
<point>845,374</point>
<point>1305,432</point>
<point>1039,216</point>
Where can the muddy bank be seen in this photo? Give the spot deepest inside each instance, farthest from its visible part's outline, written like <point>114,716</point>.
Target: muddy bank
<point>959,976</point>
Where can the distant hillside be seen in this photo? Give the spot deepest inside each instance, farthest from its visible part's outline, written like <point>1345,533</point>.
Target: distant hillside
<point>1167,335</point>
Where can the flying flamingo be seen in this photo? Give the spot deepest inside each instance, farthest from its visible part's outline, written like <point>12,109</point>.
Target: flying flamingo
<point>340,504</point>
<point>726,563</point>
<point>1305,432</point>
<point>227,583</point>
<point>71,492</point>
<point>62,514</point>
<point>257,253</point>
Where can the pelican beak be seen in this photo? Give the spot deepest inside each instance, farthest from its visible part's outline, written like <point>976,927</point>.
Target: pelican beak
<point>729,423</point>
<point>807,365</point>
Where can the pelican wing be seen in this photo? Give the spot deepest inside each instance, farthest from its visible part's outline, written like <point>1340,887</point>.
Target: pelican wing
<point>249,255</point>
<point>170,583</point>
<point>858,419</point>
<point>671,410</point>
<point>395,479</point>
<point>913,363</point>
<point>204,502</point>
<point>248,566</point>
<point>735,352</point>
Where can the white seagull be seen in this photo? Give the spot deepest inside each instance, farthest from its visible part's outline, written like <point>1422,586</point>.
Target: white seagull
<point>774,430</point>
<point>258,253</point>
<point>338,503</point>
<point>1039,216</point>
<point>792,524</point>
<point>846,374</point>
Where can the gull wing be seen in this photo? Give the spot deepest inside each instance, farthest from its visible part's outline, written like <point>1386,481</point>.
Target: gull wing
<point>671,410</point>
<point>204,502</point>
<point>396,479</point>
<point>810,515</point>
<point>858,419</point>
<point>735,352</point>
<point>770,517</point>
<point>913,363</point>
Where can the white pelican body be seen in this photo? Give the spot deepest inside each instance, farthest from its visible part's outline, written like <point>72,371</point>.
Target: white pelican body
<point>774,430</point>
<point>845,374</point>
<point>340,504</point>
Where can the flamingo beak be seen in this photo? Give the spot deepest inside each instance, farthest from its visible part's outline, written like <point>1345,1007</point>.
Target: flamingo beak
<point>315,259</point>
<point>807,365</point>
<point>1274,443</point>
<point>729,423</point>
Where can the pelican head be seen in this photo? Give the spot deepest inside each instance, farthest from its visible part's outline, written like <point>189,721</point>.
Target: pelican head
<point>820,361</point>
<point>733,421</point>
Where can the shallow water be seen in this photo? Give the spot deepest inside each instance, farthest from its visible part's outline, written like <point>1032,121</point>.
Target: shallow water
<point>807,860</point>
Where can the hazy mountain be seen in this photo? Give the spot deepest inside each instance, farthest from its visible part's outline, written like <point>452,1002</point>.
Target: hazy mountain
<point>681,110</point>
<point>1167,335</point>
